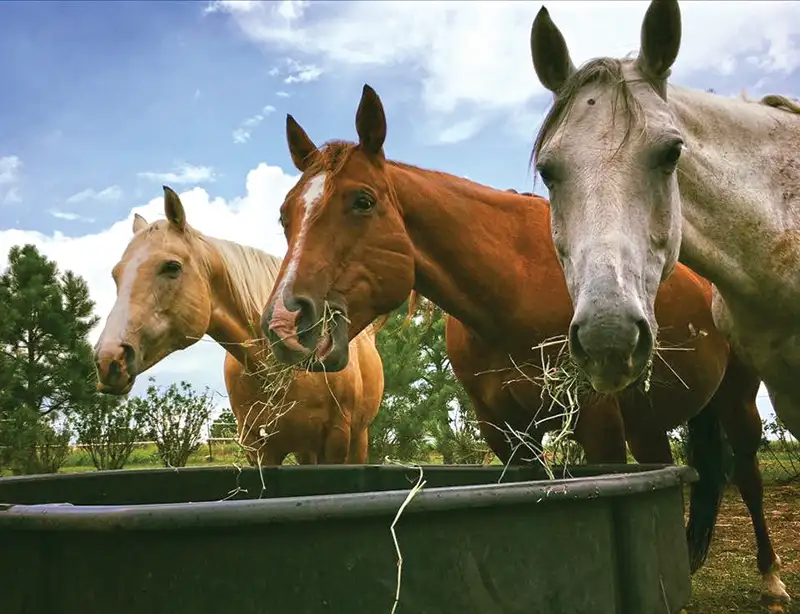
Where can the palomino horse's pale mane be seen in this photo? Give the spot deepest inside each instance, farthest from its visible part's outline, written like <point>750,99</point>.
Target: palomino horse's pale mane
<point>609,71</point>
<point>251,273</point>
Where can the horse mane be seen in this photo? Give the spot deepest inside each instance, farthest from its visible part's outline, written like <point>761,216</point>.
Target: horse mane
<point>251,272</point>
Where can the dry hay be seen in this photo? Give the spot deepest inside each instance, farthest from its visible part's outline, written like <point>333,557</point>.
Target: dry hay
<point>263,415</point>
<point>563,387</point>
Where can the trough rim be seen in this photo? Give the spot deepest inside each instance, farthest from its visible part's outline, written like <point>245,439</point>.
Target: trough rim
<point>238,513</point>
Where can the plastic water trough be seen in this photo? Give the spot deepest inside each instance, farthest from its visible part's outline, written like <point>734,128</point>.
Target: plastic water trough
<point>317,539</point>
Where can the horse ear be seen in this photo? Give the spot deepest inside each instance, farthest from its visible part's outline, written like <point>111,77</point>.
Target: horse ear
<point>173,209</point>
<point>301,148</point>
<point>370,122</point>
<point>138,223</point>
<point>549,51</point>
<point>661,38</point>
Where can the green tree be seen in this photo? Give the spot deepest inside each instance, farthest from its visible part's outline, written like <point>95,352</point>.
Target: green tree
<point>424,407</point>
<point>109,428</point>
<point>450,418</point>
<point>46,370</point>
<point>225,425</point>
<point>399,430</point>
<point>174,419</point>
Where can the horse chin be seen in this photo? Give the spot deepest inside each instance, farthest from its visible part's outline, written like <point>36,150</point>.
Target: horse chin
<point>116,390</point>
<point>614,380</point>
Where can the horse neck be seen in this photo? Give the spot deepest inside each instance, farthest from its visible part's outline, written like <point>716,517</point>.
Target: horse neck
<point>475,247</point>
<point>240,280</point>
<point>739,184</point>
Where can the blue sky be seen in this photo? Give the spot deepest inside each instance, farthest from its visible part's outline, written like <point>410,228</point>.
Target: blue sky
<point>111,90</point>
<point>104,101</point>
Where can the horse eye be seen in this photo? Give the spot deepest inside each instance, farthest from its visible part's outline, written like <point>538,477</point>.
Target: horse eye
<point>363,202</point>
<point>171,267</point>
<point>670,156</point>
<point>546,174</point>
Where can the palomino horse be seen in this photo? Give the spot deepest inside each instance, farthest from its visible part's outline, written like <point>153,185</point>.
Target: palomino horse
<point>175,284</point>
<point>363,231</point>
<point>642,172</point>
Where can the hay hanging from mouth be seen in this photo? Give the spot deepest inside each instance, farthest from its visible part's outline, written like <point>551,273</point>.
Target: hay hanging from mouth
<point>564,387</point>
<point>261,421</point>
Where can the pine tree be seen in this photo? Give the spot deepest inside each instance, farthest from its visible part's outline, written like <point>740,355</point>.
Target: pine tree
<point>420,392</point>
<point>46,369</point>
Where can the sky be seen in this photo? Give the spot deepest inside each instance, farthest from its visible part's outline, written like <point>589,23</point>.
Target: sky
<point>103,103</point>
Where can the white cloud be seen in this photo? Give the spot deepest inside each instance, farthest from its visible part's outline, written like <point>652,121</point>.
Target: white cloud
<point>240,135</point>
<point>460,131</point>
<point>244,131</point>
<point>9,169</point>
<point>251,219</point>
<point>10,175</point>
<point>274,71</point>
<point>11,196</point>
<point>111,193</point>
<point>282,94</point>
<point>302,73</point>
<point>474,56</point>
<point>69,216</point>
<point>183,175</point>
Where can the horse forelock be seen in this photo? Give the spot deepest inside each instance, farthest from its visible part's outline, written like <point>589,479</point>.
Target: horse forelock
<point>607,71</point>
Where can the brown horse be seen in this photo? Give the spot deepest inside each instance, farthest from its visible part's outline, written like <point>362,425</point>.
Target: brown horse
<point>175,284</point>
<point>363,231</point>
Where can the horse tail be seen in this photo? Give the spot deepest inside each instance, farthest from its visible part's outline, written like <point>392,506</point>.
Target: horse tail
<point>709,453</point>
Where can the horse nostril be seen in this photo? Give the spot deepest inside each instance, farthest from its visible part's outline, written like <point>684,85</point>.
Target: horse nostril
<point>114,369</point>
<point>644,342</point>
<point>130,356</point>
<point>577,350</point>
<point>308,312</point>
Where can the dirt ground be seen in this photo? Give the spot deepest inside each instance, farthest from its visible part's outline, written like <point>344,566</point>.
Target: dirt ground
<point>729,580</point>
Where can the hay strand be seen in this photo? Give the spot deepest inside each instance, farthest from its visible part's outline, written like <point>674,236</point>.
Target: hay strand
<point>411,494</point>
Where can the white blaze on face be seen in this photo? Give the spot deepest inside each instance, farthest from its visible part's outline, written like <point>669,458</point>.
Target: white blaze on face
<point>116,325</point>
<point>311,198</point>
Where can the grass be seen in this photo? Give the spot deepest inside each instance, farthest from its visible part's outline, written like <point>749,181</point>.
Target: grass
<point>146,457</point>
